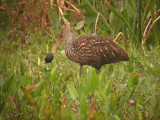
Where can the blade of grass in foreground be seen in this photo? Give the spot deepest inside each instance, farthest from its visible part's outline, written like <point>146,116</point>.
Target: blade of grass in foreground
<point>7,84</point>
<point>146,11</point>
<point>73,92</point>
<point>28,96</point>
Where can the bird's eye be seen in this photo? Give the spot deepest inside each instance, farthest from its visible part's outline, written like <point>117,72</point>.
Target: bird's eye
<point>60,36</point>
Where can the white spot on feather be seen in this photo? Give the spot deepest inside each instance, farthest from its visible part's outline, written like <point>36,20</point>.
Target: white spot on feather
<point>113,54</point>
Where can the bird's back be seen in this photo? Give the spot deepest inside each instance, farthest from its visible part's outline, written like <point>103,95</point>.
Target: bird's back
<point>96,50</point>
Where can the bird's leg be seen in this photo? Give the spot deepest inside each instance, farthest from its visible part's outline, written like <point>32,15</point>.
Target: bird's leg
<point>80,70</point>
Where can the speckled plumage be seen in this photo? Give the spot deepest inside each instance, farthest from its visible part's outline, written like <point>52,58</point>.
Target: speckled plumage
<point>92,49</point>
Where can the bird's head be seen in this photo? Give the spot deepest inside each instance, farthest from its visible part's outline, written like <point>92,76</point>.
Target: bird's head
<point>64,35</point>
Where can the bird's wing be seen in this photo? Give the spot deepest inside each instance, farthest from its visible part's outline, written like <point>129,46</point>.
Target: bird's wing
<point>93,44</point>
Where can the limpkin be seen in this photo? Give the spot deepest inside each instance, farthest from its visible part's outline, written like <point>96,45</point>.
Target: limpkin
<point>89,49</point>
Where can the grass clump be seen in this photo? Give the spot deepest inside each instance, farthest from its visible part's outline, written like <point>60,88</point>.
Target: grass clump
<point>32,89</point>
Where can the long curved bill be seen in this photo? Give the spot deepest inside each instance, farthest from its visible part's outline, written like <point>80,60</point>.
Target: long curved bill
<point>56,45</point>
<point>49,57</point>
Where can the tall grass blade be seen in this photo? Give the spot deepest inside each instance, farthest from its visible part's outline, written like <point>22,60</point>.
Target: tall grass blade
<point>4,66</point>
<point>91,82</point>
<point>48,111</point>
<point>38,91</point>
<point>130,65</point>
<point>122,18</point>
<point>108,87</point>
<point>83,107</point>
<point>28,96</point>
<point>91,6</point>
<point>97,13</point>
<point>53,73</point>
<point>133,81</point>
<point>146,11</point>
<point>7,84</point>
<point>155,29</point>
<point>139,20</point>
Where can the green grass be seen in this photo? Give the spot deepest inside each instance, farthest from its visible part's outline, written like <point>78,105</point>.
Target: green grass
<point>126,90</point>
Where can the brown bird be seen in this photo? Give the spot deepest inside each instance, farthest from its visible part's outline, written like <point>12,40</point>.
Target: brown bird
<point>89,49</point>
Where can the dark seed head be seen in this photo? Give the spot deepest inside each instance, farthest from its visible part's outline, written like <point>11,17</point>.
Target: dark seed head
<point>49,57</point>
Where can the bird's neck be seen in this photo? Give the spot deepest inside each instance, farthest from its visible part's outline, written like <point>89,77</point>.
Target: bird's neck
<point>69,40</point>
<point>69,46</point>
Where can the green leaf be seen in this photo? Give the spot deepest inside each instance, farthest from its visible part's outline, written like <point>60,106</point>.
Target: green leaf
<point>13,89</point>
<point>108,87</point>
<point>42,103</point>
<point>79,25</point>
<point>100,116</point>
<point>91,6</point>
<point>130,65</point>
<point>22,68</point>
<point>132,4</point>
<point>150,111</point>
<point>140,116</point>
<point>112,20</point>
<point>92,14</point>
<point>82,5</point>
<point>37,91</point>
<point>4,64</point>
<point>140,100</point>
<point>91,82</point>
<point>2,99</point>
<point>28,96</point>
<point>60,79</point>
<point>48,111</point>
<point>112,103</point>
<point>110,70</point>
<point>72,91</point>
<point>153,100</point>
<point>26,81</point>
<point>155,29</point>
<point>63,112</point>
<point>116,117</point>
<point>129,10</point>
<point>133,81</point>
<point>57,22</point>
<point>146,10</point>
<point>87,27</point>
<point>7,84</point>
<point>36,113</point>
<point>53,73</point>
<point>125,98</point>
<point>83,107</point>
<point>66,114</point>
